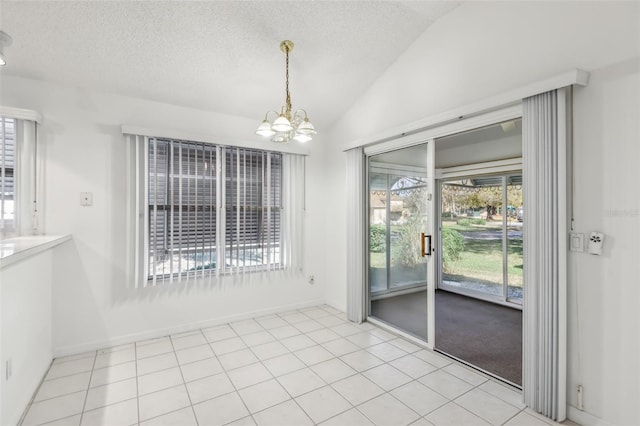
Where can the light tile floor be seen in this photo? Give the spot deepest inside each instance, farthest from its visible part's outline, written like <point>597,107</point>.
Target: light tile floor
<point>302,367</point>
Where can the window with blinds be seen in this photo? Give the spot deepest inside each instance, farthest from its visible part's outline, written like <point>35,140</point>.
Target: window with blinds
<point>7,175</point>
<point>211,209</point>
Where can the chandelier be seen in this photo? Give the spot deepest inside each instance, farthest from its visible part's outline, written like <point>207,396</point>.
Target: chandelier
<point>288,125</point>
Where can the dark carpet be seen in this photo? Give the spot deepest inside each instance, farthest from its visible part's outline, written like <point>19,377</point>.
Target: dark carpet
<point>483,334</point>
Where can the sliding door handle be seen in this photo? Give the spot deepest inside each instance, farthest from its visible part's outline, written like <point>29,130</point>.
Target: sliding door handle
<point>425,249</point>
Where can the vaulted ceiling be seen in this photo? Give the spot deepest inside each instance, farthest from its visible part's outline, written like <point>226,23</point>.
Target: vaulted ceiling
<point>222,56</point>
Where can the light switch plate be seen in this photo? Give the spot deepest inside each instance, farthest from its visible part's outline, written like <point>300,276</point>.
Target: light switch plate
<point>576,242</point>
<point>86,199</point>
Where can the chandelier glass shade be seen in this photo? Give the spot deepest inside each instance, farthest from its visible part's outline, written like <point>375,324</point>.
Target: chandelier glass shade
<point>287,125</point>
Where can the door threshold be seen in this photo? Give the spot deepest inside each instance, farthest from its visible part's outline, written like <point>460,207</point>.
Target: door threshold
<point>418,341</point>
<point>488,373</point>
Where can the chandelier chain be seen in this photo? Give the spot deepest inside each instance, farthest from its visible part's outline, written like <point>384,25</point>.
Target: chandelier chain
<point>288,106</point>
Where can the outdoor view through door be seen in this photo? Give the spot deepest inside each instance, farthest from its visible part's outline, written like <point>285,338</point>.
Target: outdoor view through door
<point>481,230</point>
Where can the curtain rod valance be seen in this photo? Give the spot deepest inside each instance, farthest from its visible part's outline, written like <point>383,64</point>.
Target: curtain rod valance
<point>196,137</point>
<point>21,114</point>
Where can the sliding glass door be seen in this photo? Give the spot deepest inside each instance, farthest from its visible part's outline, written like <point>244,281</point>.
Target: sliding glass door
<point>400,244</point>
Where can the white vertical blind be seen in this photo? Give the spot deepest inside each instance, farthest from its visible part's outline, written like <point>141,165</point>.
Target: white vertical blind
<point>356,238</point>
<point>545,232</point>
<point>293,211</point>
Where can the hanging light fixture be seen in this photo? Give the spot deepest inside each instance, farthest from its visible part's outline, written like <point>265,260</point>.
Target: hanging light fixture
<point>288,125</point>
<point>5,41</point>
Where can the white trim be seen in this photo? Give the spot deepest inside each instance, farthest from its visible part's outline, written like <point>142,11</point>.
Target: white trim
<point>507,99</point>
<point>21,114</point>
<point>264,145</point>
<point>431,230</point>
<point>578,416</point>
<point>489,167</point>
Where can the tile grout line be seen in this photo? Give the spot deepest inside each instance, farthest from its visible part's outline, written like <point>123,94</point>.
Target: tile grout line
<point>86,395</point>
<point>184,383</point>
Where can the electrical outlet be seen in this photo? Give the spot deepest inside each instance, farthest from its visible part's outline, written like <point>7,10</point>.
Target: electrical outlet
<point>312,279</point>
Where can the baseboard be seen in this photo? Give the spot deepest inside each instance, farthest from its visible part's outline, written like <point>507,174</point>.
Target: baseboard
<point>583,418</point>
<point>337,305</point>
<point>160,332</point>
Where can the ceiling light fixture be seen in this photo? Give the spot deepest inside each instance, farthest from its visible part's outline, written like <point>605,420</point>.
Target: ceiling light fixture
<point>5,40</point>
<point>287,125</point>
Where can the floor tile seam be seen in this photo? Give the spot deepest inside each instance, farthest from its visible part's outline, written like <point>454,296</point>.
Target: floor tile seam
<point>33,397</point>
<point>335,415</point>
<point>475,414</point>
<point>56,419</point>
<point>36,401</point>
<point>448,400</point>
<point>362,402</point>
<point>291,398</point>
<point>184,382</point>
<point>225,372</point>
<point>440,393</point>
<point>491,395</point>
<point>135,366</point>
<point>512,417</point>
<point>497,396</point>
<point>238,389</point>
<point>66,375</point>
<point>160,415</point>
<point>54,362</point>
<point>114,382</point>
<point>397,399</point>
<point>115,364</point>
<point>304,393</point>
<point>468,411</point>
<point>86,395</point>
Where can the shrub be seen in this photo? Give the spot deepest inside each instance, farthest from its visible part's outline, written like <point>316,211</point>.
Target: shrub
<point>452,246</point>
<point>464,222</point>
<point>478,222</point>
<point>377,238</point>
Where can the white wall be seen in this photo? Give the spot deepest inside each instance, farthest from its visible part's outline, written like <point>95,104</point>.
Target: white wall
<point>85,151</point>
<point>25,338</point>
<point>483,49</point>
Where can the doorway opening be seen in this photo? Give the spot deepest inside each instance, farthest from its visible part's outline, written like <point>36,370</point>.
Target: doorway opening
<point>480,218</point>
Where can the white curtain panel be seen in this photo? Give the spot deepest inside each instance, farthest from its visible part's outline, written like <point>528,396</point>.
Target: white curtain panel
<point>293,212</point>
<point>356,238</point>
<point>545,140</point>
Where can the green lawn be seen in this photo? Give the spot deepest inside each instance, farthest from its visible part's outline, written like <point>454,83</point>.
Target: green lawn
<point>480,260</point>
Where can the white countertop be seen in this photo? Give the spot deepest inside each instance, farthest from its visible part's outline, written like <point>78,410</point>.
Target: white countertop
<point>15,249</point>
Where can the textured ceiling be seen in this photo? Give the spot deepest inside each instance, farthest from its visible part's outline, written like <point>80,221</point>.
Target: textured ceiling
<point>216,55</point>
